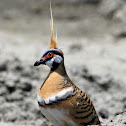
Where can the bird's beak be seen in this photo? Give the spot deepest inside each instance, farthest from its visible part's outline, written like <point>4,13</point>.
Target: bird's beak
<point>38,62</point>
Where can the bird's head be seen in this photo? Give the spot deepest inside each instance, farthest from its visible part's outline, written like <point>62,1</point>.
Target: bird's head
<point>52,56</point>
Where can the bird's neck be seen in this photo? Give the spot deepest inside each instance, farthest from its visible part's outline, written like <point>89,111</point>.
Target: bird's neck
<point>60,70</point>
<point>54,82</point>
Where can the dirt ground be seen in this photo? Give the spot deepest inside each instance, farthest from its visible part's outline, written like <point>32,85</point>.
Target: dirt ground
<point>92,35</point>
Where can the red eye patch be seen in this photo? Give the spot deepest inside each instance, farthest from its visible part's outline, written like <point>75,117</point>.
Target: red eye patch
<point>46,57</point>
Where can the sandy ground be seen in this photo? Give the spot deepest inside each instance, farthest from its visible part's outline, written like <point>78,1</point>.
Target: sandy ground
<point>92,35</point>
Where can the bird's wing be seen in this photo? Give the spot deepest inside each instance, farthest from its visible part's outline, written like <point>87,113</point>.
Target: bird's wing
<point>85,113</point>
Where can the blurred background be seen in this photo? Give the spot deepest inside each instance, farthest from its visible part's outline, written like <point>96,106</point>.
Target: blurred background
<point>92,35</point>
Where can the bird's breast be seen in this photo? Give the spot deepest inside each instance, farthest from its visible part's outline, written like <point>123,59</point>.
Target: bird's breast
<point>57,108</point>
<point>58,117</point>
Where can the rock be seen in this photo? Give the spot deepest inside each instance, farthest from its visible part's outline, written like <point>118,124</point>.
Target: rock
<point>74,71</point>
<point>24,85</point>
<point>104,81</point>
<point>27,72</point>
<point>3,67</point>
<point>121,14</point>
<point>119,120</point>
<point>16,96</point>
<point>18,67</point>
<point>3,91</point>
<point>10,117</point>
<point>36,8</point>
<point>10,86</point>
<point>120,35</point>
<point>104,113</point>
<point>1,117</point>
<point>2,100</point>
<point>75,47</point>
<point>124,102</point>
<point>2,80</point>
<point>38,113</point>
<point>23,116</point>
<point>109,7</point>
<point>85,74</point>
<point>44,123</point>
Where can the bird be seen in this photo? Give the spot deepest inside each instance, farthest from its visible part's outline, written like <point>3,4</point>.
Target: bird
<point>59,99</point>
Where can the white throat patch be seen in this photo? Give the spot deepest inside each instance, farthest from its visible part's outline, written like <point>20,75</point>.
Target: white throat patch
<point>60,96</point>
<point>58,59</point>
<point>50,62</point>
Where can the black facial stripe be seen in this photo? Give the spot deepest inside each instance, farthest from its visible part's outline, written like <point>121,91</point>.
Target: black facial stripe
<point>54,66</point>
<point>55,52</point>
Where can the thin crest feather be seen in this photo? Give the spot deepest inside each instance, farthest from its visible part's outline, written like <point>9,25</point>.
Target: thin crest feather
<point>56,36</point>
<point>53,43</point>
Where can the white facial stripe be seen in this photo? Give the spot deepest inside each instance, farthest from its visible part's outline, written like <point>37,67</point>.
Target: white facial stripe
<point>56,58</point>
<point>60,96</point>
<point>50,62</point>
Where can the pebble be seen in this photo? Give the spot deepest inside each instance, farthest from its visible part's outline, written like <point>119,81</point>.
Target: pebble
<point>2,100</point>
<point>104,113</point>
<point>10,86</point>
<point>3,67</point>
<point>10,117</point>
<point>25,85</point>
<point>16,96</point>
<point>75,47</point>
<point>2,80</point>
<point>19,67</point>
<point>3,91</point>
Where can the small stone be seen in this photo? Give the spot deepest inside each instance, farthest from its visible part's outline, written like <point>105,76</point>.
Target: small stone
<point>16,96</point>
<point>10,86</point>
<point>44,123</point>
<point>23,116</point>
<point>108,8</point>
<point>2,80</point>
<point>2,100</point>
<point>75,47</point>
<point>104,113</point>
<point>74,71</point>
<point>24,85</point>
<point>87,75</point>
<point>3,67</point>
<point>36,9</point>
<point>121,35</point>
<point>104,81</point>
<point>3,91</point>
<point>18,68</point>
<point>10,117</point>
<point>1,116</point>
<point>119,120</point>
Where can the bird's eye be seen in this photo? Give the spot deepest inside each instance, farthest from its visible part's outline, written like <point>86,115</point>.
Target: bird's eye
<point>50,54</point>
